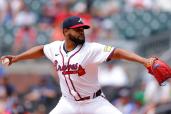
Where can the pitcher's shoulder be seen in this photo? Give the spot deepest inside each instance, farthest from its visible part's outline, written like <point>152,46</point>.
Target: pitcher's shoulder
<point>91,43</point>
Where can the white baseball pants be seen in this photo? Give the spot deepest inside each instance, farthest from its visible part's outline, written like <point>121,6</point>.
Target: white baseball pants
<point>98,105</point>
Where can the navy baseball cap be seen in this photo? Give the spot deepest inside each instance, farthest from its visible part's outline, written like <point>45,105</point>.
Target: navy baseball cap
<point>74,22</point>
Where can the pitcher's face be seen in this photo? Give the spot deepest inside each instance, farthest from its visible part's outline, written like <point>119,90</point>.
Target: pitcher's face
<point>76,35</point>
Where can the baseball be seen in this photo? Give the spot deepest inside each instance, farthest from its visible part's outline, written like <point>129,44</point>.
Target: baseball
<point>6,61</point>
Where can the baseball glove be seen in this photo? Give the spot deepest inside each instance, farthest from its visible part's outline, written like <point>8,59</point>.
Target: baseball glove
<point>160,70</point>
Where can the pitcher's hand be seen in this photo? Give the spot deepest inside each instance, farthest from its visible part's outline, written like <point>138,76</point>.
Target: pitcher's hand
<point>8,60</point>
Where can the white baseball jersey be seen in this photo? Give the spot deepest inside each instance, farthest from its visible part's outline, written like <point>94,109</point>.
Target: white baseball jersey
<point>78,69</point>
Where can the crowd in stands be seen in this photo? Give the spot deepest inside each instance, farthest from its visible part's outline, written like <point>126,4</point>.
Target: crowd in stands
<point>36,98</point>
<point>31,22</point>
<point>26,23</point>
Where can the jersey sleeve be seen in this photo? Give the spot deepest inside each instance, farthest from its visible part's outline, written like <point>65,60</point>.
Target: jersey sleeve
<point>100,53</point>
<point>48,50</point>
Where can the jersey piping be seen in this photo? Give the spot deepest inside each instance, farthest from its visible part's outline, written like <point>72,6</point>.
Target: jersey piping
<point>69,74</point>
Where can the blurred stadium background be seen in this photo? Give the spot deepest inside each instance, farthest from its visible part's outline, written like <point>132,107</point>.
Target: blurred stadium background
<point>141,26</point>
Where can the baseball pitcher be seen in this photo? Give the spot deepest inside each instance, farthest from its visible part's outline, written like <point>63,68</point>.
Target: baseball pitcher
<point>76,62</point>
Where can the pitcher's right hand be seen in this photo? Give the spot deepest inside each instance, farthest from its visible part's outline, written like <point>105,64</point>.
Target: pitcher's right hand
<point>8,60</point>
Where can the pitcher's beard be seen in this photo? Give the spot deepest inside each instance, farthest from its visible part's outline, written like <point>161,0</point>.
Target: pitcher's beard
<point>77,41</point>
